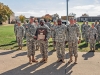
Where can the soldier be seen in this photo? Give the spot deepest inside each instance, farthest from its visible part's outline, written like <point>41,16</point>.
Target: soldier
<point>15,25</point>
<point>60,36</point>
<point>96,23</point>
<point>48,23</point>
<point>43,35</point>
<point>98,31</point>
<point>85,31</point>
<point>92,37</point>
<point>19,31</point>
<point>30,35</point>
<point>36,42</point>
<point>24,25</point>
<point>52,32</point>
<point>73,34</point>
<point>82,28</point>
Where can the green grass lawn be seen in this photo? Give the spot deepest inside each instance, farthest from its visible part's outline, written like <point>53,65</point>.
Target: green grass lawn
<point>7,40</point>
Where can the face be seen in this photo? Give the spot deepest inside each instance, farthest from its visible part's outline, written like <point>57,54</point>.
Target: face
<point>55,23</point>
<point>95,22</point>
<point>86,23</point>
<point>74,21</point>
<point>41,23</point>
<point>92,25</point>
<point>59,22</point>
<point>18,24</point>
<point>31,20</point>
<point>71,21</point>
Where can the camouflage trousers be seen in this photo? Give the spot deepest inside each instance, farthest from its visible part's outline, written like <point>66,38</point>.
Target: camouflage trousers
<point>83,36</point>
<point>60,49</point>
<point>86,38</point>
<point>92,44</point>
<point>31,48</point>
<point>19,41</point>
<point>43,48</point>
<point>73,48</point>
<point>98,39</point>
<point>37,45</point>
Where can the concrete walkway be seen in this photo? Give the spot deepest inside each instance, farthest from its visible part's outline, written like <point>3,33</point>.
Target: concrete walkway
<point>15,63</point>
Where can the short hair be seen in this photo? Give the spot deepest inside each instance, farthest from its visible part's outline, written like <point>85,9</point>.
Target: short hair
<point>31,16</point>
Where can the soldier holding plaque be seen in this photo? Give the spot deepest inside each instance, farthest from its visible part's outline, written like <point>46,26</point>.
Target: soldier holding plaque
<point>43,35</point>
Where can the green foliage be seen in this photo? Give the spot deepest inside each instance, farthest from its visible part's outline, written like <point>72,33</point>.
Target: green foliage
<point>5,12</point>
<point>22,18</point>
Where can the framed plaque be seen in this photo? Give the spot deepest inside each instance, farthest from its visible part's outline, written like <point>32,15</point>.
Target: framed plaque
<point>41,33</point>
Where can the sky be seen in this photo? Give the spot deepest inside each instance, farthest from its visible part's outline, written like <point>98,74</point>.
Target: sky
<point>39,8</point>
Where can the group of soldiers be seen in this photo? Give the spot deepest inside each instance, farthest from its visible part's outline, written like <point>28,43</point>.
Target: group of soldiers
<point>38,33</point>
<point>91,34</point>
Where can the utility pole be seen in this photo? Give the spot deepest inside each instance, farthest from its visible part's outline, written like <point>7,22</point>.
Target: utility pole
<point>67,10</point>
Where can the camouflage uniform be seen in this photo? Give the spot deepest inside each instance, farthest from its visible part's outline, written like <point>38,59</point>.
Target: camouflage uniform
<point>92,37</point>
<point>15,30</point>
<point>98,31</point>
<point>24,25</point>
<point>19,31</point>
<point>30,32</point>
<point>73,33</point>
<point>48,24</point>
<point>52,33</point>
<point>60,36</point>
<point>44,44</point>
<point>82,30</point>
<point>85,31</point>
<point>36,42</point>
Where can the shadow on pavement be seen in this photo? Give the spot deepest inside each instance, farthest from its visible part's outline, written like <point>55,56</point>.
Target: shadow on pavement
<point>8,52</point>
<point>88,55</point>
<point>20,54</point>
<point>52,69</point>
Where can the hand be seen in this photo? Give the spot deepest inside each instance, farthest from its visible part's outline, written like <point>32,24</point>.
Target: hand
<point>54,42</point>
<point>65,42</point>
<point>45,39</point>
<point>26,26</point>
<point>34,37</point>
<point>79,41</point>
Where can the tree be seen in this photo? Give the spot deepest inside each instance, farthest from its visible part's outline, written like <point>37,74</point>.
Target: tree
<point>47,17</point>
<point>22,18</point>
<point>5,12</point>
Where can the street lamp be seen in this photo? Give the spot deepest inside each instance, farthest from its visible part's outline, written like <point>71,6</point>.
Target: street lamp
<point>67,10</point>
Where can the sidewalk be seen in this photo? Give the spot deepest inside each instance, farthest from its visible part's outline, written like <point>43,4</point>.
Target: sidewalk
<point>16,63</point>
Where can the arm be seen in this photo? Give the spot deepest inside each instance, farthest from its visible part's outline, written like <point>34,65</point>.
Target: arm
<point>78,33</point>
<point>48,33</point>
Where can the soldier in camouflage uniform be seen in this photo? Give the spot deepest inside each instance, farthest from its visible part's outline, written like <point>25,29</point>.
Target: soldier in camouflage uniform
<point>52,33</point>
<point>98,31</point>
<point>85,31</point>
<point>15,25</point>
<point>73,34</point>
<point>30,35</point>
<point>96,23</point>
<point>24,25</point>
<point>82,30</point>
<point>92,37</point>
<point>60,37</point>
<point>48,23</point>
<point>36,42</point>
<point>43,34</point>
<point>19,31</point>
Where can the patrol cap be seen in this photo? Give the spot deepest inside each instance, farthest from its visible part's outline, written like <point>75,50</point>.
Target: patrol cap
<point>86,21</point>
<point>92,23</point>
<point>36,20</point>
<point>59,20</point>
<point>31,16</point>
<point>41,20</point>
<point>54,20</point>
<point>19,22</point>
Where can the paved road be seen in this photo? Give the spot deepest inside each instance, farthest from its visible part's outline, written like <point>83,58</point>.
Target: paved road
<point>15,63</point>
